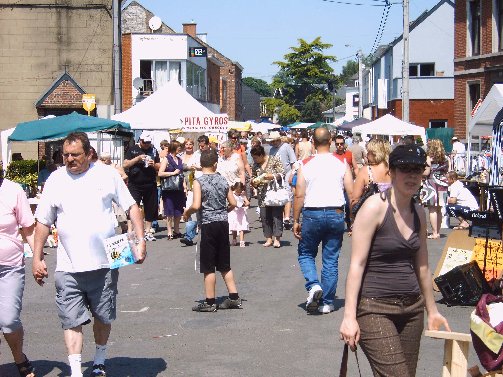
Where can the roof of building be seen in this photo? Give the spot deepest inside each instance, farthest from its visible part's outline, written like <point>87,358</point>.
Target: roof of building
<point>65,76</point>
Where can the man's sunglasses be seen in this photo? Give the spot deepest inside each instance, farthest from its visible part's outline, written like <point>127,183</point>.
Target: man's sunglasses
<point>340,143</point>
<point>415,169</point>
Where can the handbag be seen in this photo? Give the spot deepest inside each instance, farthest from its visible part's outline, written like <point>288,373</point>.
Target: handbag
<point>276,195</point>
<point>343,372</point>
<point>172,183</point>
<point>370,190</point>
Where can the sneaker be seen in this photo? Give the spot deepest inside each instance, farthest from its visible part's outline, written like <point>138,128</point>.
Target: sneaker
<point>186,242</point>
<point>204,307</point>
<point>98,371</point>
<point>242,244</point>
<point>315,294</point>
<point>325,309</point>
<point>231,304</point>
<point>150,237</point>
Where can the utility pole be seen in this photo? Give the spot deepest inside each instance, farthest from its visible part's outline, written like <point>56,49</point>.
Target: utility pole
<point>405,63</point>
<point>359,55</point>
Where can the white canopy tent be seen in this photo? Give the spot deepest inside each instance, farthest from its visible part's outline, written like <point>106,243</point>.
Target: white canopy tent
<point>391,126</point>
<point>482,122</point>
<point>172,107</point>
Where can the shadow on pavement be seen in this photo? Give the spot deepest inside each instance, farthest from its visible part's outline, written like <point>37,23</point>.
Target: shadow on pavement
<point>130,367</point>
<point>338,304</point>
<point>42,368</point>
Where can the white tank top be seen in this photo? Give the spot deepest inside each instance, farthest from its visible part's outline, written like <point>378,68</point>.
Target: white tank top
<point>324,175</point>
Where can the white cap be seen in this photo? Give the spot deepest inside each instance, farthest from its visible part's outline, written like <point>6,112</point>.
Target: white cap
<point>146,137</point>
<point>180,139</point>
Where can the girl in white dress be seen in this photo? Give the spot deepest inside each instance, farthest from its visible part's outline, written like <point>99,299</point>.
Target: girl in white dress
<point>238,221</point>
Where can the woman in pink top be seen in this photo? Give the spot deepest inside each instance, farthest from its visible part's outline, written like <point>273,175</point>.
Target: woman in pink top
<point>16,220</point>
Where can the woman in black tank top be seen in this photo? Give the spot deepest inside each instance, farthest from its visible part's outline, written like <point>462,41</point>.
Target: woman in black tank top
<point>389,281</point>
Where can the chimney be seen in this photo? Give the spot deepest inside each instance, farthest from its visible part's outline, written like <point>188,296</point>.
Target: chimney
<point>190,28</point>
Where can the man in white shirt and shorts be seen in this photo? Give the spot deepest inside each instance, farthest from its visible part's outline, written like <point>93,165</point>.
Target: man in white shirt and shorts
<point>79,198</point>
<point>461,201</point>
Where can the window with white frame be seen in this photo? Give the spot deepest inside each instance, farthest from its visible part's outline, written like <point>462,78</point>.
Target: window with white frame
<point>421,69</point>
<point>155,73</point>
<point>196,81</point>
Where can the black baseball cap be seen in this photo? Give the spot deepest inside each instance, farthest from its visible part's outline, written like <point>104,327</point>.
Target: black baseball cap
<point>407,154</point>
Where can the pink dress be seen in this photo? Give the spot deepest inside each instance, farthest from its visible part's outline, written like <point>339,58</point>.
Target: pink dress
<point>15,212</point>
<point>237,217</point>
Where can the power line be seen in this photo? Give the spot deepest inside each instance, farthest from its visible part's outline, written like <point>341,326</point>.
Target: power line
<point>382,25</point>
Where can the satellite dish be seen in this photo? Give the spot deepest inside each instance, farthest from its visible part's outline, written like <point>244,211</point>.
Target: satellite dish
<point>138,83</point>
<point>154,23</point>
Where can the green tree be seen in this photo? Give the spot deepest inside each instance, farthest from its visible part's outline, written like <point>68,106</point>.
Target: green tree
<point>305,73</point>
<point>288,114</point>
<point>312,111</point>
<point>349,69</point>
<point>259,85</point>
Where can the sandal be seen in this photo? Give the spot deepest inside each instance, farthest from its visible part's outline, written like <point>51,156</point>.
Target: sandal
<point>170,237</point>
<point>432,237</point>
<point>277,245</point>
<point>461,227</point>
<point>25,368</point>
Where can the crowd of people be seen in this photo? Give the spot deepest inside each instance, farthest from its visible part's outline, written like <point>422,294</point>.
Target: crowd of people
<point>309,183</point>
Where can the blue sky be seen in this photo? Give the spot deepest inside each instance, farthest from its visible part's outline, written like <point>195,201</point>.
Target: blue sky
<point>256,33</point>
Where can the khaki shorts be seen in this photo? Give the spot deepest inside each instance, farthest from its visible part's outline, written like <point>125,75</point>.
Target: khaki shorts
<point>11,297</point>
<point>77,293</point>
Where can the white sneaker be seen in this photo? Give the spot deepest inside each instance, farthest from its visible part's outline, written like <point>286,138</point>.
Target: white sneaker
<point>315,294</point>
<point>325,309</point>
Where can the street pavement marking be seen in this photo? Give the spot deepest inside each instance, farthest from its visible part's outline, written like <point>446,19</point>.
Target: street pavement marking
<point>142,310</point>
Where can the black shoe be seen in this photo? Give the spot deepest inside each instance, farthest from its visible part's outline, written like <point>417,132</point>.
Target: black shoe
<point>177,235</point>
<point>205,307</point>
<point>187,242</point>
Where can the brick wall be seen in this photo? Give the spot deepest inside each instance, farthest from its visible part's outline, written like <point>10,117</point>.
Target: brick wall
<point>65,95</point>
<point>213,82</point>
<point>127,75</point>
<point>486,69</point>
<point>421,112</point>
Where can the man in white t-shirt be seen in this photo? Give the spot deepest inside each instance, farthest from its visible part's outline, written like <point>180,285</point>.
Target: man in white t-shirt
<point>461,201</point>
<point>319,194</point>
<point>79,198</point>
<point>458,148</point>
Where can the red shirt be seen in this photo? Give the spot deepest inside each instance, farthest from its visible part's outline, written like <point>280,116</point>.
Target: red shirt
<point>346,156</point>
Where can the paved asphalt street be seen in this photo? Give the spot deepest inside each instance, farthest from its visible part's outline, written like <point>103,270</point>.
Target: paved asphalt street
<point>157,334</point>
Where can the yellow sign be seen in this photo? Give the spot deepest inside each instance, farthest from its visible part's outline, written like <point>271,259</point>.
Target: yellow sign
<point>89,102</point>
<point>493,257</point>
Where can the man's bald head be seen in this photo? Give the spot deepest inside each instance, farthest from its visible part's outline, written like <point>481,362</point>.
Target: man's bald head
<point>321,137</point>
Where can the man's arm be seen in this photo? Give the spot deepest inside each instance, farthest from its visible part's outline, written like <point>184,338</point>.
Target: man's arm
<point>128,163</point>
<point>39,268</point>
<point>137,220</point>
<point>298,203</point>
<point>348,183</point>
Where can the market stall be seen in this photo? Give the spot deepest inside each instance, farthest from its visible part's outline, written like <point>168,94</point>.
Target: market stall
<point>390,126</point>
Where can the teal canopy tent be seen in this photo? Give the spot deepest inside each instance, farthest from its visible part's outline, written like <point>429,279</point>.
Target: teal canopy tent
<point>293,124</point>
<point>59,127</point>
<point>328,126</point>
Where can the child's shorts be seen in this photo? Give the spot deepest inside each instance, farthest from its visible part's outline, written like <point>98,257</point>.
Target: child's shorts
<point>215,247</point>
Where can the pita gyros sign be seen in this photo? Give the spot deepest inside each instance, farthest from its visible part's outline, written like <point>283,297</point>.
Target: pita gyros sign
<point>213,123</point>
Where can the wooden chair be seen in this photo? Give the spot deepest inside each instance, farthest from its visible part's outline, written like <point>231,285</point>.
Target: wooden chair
<point>456,348</point>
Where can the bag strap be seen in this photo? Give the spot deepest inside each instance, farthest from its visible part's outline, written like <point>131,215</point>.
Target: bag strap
<point>344,363</point>
<point>371,177</point>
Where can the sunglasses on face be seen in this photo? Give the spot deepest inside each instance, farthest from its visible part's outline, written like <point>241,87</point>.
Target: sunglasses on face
<point>414,169</point>
<point>339,143</point>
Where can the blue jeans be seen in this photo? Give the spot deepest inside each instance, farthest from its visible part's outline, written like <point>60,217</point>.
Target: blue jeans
<point>190,230</point>
<point>326,226</point>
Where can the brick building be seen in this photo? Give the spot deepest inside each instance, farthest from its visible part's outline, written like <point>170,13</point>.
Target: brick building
<point>431,82</point>
<point>478,55</point>
<point>223,76</point>
<point>51,53</point>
